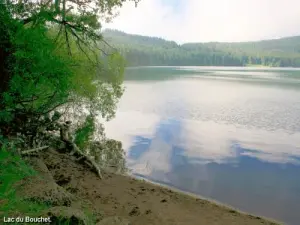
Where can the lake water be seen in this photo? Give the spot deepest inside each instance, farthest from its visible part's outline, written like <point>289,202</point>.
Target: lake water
<point>227,134</point>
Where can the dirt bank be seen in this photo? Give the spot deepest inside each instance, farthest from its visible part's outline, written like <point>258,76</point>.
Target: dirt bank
<point>139,202</point>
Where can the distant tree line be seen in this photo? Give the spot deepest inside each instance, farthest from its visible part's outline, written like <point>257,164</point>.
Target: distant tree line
<point>152,51</point>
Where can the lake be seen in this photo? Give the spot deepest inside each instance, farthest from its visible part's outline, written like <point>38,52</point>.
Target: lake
<point>227,134</point>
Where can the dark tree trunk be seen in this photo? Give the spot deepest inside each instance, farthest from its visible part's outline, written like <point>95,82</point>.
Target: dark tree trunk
<point>4,70</point>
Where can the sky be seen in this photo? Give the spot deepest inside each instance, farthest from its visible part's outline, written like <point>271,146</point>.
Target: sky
<point>210,20</point>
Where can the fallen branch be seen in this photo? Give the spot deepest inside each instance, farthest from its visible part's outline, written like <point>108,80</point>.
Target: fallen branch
<point>26,152</point>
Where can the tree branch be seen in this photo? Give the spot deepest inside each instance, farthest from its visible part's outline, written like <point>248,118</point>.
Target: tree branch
<point>55,107</point>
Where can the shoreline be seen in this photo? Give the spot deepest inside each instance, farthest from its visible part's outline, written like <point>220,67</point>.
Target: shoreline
<point>196,196</point>
<point>70,191</point>
<point>140,201</point>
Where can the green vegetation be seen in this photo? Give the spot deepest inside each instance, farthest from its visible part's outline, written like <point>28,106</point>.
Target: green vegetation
<point>151,51</point>
<point>84,133</point>
<point>13,170</point>
<point>55,66</point>
<point>57,74</point>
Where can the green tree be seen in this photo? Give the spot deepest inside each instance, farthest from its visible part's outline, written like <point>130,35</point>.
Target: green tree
<point>55,65</point>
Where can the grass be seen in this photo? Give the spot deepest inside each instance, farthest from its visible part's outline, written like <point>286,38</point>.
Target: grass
<point>12,170</point>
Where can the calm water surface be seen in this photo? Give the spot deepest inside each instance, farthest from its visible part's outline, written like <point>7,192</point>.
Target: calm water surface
<point>228,134</point>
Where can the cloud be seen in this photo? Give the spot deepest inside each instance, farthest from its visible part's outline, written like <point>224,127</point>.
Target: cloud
<point>149,18</point>
<point>210,20</point>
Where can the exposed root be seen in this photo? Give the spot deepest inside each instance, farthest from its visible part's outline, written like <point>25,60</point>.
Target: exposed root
<point>74,150</point>
<point>71,147</point>
<point>86,158</point>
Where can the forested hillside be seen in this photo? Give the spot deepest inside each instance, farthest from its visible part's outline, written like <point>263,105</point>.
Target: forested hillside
<point>151,51</point>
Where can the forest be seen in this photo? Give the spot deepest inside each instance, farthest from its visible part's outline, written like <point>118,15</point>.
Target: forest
<point>152,51</point>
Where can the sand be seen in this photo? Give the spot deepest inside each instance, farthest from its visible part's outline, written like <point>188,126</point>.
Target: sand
<point>140,202</point>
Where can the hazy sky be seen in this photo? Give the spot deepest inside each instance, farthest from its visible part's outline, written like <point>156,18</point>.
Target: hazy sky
<point>210,20</point>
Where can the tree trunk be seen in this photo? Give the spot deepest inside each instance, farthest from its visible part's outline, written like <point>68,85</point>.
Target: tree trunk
<point>4,72</point>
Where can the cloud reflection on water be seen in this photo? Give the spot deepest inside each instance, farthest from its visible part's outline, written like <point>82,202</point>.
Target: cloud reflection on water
<point>205,141</point>
<point>255,171</point>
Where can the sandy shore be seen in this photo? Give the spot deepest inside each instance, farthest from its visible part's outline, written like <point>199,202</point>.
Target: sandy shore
<point>141,202</point>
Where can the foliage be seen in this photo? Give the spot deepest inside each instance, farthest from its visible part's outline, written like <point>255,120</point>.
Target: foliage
<point>107,153</point>
<point>12,170</point>
<point>54,59</point>
<point>113,156</point>
<point>56,66</point>
<point>150,51</point>
<point>39,80</point>
<point>83,134</point>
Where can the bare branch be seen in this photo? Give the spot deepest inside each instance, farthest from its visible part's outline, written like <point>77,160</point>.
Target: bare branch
<point>68,43</point>
<point>78,40</point>
<point>58,34</point>
<point>55,107</point>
